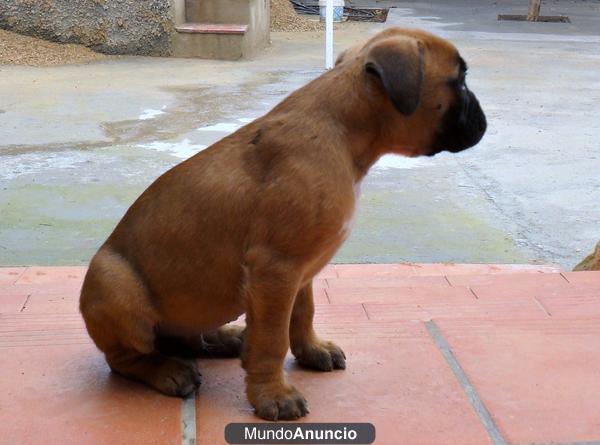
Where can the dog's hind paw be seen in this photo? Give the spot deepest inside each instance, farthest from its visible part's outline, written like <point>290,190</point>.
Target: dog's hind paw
<point>177,377</point>
<point>322,356</point>
<point>225,342</point>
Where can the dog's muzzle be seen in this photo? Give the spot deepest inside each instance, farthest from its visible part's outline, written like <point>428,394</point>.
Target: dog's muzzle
<point>463,125</point>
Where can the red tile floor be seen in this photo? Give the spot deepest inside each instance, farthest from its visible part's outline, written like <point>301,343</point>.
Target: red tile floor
<point>437,354</point>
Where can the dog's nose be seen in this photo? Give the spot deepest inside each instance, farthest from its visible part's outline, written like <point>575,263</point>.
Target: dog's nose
<point>482,124</point>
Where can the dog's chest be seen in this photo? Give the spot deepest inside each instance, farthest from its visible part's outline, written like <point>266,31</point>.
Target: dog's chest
<point>349,221</point>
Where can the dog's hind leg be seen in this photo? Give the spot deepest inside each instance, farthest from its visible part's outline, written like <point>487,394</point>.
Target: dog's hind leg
<point>225,342</point>
<point>121,320</point>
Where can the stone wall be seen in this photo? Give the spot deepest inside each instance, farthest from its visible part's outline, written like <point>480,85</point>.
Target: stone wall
<point>110,26</point>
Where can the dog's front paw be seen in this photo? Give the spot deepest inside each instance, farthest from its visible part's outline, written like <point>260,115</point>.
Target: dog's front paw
<point>322,356</point>
<point>277,402</point>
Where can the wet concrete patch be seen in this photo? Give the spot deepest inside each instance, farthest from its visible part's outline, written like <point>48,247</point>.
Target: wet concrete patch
<point>60,201</point>
<point>204,114</point>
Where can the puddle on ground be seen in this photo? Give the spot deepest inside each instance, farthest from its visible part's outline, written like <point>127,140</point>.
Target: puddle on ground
<point>59,201</point>
<point>207,109</point>
<point>151,113</point>
<point>181,149</point>
<point>222,127</point>
<point>36,163</point>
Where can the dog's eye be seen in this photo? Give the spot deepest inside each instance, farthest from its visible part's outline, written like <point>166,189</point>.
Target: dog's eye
<point>458,83</point>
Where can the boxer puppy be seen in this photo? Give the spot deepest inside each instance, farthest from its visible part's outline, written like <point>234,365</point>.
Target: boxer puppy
<point>245,225</point>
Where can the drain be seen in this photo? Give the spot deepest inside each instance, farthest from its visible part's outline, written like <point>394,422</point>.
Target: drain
<point>367,15</point>
<point>540,18</point>
<point>533,15</point>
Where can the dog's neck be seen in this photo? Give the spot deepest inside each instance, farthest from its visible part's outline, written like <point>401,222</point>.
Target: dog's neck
<point>362,145</point>
<point>356,121</point>
<point>365,135</point>
<point>362,161</point>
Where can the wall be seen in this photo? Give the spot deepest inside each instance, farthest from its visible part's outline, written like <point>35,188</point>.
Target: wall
<point>110,26</point>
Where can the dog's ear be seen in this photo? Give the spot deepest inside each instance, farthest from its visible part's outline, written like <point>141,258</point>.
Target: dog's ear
<point>398,63</point>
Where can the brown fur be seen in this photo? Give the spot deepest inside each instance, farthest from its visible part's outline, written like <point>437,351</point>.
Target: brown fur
<point>244,226</point>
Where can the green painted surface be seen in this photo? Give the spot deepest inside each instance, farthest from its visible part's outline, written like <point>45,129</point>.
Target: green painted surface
<point>396,227</point>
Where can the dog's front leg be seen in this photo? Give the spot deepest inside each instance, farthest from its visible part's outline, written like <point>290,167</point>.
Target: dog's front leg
<point>270,287</point>
<point>306,345</point>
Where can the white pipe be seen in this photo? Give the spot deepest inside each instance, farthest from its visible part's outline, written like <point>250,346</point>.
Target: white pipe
<point>329,34</point>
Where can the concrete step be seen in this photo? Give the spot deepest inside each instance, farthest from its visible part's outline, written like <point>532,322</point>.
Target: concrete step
<point>220,29</point>
<point>431,269</point>
<point>212,28</point>
<point>211,40</point>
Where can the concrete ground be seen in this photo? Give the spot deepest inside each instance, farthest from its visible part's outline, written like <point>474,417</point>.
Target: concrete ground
<point>79,143</point>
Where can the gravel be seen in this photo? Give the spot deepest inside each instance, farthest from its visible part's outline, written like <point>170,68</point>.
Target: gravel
<point>17,49</point>
<point>284,18</point>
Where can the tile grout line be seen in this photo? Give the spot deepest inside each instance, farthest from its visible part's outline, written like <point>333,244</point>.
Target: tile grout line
<point>188,420</point>
<point>20,275</point>
<point>593,442</point>
<point>477,404</point>
<point>565,278</point>
<point>25,303</point>
<point>337,275</point>
<point>542,307</point>
<point>327,295</point>
<point>365,311</point>
<point>473,292</point>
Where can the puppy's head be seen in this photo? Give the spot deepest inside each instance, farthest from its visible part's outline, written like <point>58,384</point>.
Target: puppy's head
<point>415,83</point>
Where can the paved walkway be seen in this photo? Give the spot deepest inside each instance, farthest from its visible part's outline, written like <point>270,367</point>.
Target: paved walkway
<point>437,354</point>
<point>81,142</point>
